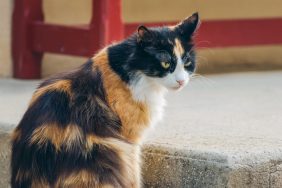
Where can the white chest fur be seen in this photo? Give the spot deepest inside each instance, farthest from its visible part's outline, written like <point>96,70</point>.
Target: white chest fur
<point>147,91</point>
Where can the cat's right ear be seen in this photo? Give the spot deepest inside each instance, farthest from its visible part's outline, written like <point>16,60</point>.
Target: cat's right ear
<point>189,26</point>
<point>143,34</point>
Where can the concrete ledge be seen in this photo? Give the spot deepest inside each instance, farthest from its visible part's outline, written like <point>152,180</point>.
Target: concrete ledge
<point>224,131</point>
<point>166,167</point>
<point>4,160</point>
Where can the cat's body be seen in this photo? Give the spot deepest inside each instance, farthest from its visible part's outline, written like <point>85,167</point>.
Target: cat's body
<point>84,128</point>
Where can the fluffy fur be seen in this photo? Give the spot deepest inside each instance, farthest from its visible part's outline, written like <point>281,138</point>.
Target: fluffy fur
<point>84,128</point>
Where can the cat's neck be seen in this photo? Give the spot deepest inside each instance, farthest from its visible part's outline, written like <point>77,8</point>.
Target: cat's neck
<point>120,59</point>
<point>145,90</point>
<point>138,102</point>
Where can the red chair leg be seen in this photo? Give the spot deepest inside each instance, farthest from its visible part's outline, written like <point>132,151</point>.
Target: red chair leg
<point>26,63</point>
<point>106,23</point>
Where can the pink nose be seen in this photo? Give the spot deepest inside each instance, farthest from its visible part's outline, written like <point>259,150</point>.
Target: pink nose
<point>181,82</point>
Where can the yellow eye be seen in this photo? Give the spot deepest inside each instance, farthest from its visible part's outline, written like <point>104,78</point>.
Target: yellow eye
<point>165,65</point>
<point>187,64</point>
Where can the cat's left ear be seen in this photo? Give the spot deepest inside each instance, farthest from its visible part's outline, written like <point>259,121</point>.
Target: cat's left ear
<point>144,34</point>
<point>189,26</point>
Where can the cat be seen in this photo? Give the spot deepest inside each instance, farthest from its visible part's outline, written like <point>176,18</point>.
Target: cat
<point>84,128</point>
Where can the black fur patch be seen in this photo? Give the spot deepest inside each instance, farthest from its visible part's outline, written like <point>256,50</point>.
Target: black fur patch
<point>51,107</point>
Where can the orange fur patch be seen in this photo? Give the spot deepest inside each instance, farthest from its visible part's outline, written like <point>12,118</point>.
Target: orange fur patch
<point>178,48</point>
<point>134,115</point>
<point>57,135</point>
<point>39,184</point>
<point>61,85</point>
<point>82,178</point>
<point>107,186</point>
<point>115,144</point>
<point>91,140</point>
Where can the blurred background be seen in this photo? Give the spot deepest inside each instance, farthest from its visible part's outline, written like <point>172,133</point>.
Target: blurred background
<point>215,54</point>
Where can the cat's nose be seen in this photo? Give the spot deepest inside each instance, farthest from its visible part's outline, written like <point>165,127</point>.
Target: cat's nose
<point>180,82</point>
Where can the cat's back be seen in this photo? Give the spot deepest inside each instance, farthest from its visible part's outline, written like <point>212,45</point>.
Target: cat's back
<point>69,135</point>
<point>75,97</point>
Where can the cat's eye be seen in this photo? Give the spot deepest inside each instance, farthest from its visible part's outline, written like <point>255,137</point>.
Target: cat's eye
<point>165,65</point>
<point>187,64</point>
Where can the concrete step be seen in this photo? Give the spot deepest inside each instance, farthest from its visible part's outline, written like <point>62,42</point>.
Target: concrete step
<point>224,131</point>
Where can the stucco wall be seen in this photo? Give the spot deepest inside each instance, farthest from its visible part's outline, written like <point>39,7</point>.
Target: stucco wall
<point>5,38</point>
<point>148,10</point>
<point>78,12</point>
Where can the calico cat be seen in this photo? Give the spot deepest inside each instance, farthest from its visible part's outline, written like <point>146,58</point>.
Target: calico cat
<point>84,128</point>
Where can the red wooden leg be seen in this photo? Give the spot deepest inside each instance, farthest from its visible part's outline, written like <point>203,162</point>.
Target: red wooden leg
<point>26,63</point>
<point>106,23</point>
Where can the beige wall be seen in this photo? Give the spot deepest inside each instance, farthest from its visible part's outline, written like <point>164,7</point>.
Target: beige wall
<point>78,12</point>
<point>5,38</point>
<point>156,10</point>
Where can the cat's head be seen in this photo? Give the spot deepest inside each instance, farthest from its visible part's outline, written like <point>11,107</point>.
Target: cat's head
<point>166,55</point>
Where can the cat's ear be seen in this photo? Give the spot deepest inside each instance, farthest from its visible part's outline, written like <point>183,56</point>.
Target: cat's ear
<point>189,26</point>
<point>143,34</point>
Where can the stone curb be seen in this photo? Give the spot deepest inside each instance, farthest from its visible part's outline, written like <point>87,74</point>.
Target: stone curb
<point>4,160</point>
<point>172,168</point>
<point>166,167</point>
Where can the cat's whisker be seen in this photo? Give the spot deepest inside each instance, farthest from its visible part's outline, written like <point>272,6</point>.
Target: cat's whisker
<point>203,78</point>
<point>202,42</point>
<point>204,59</point>
<point>202,82</point>
<point>208,49</point>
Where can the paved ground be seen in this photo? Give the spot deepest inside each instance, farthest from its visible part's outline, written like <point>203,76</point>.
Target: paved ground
<point>224,131</point>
